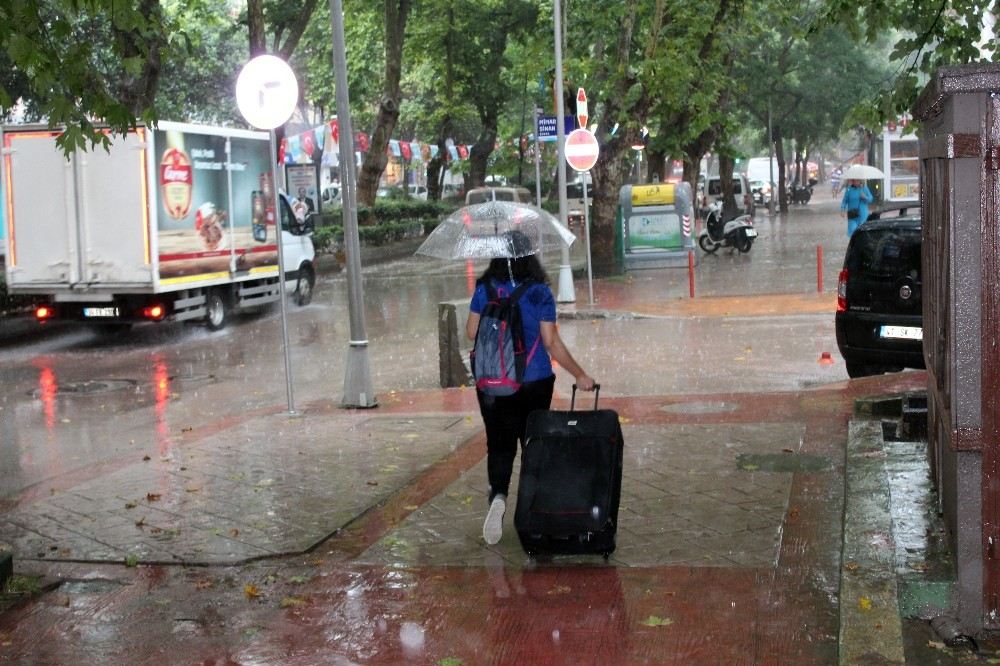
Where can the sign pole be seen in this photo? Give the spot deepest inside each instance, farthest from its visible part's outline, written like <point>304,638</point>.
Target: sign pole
<point>566,292</point>
<point>281,275</point>
<point>586,231</point>
<point>538,164</point>
<point>266,93</point>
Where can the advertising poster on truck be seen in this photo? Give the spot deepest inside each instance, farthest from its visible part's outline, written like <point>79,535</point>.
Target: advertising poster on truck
<point>213,211</point>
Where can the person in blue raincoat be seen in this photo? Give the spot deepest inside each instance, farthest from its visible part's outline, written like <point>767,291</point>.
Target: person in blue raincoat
<point>854,203</point>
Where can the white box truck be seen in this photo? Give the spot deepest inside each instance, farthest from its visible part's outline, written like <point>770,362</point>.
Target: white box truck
<point>173,223</point>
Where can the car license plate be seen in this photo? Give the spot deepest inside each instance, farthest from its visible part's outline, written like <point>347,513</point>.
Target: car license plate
<point>100,312</point>
<point>751,233</point>
<point>902,332</point>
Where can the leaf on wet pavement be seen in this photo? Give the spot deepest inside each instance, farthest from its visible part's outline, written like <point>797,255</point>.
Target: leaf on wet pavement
<point>234,532</point>
<point>937,645</point>
<point>152,497</point>
<point>203,584</point>
<point>410,507</point>
<point>146,458</point>
<point>623,419</point>
<point>292,602</point>
<point>654,621</point>
<point>192,489</point>
<point>251,591</point>
<point>560,589</point>
<point>864,603</point>
<point>372,483</point>
<point>188,429</point>
<point>141,522</point>
<point>450,661</point>
<point>299,580</point>
<point>852,566</point>
<point>131,505</point>
<point>131,560</point>
<point>265,483</point>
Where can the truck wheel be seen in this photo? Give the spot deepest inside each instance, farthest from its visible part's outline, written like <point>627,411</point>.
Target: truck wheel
<point>305,284</point>
<point>216,312</point>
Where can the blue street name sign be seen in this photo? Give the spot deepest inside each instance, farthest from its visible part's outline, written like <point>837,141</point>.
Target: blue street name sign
<point>549,131</point>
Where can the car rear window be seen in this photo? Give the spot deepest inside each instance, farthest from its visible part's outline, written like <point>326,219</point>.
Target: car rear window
<point>715,187</point>
<point>885,253</point>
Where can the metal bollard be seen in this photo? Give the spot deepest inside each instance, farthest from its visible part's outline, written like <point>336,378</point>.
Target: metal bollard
<point>819,268</point>
<point>691,273</point>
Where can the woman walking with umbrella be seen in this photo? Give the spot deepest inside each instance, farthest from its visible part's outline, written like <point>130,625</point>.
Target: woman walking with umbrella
<point>509,234</point>
<point>857,196</point>
<point>506,416</point>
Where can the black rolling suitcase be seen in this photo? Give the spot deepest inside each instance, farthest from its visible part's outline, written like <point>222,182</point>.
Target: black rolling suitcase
<point>571,481</point>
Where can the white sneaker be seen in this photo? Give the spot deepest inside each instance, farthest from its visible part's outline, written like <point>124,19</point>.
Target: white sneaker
<point>493,526</point>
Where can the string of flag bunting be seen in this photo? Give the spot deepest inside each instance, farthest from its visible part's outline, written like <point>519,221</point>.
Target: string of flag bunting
<point>321,145</point>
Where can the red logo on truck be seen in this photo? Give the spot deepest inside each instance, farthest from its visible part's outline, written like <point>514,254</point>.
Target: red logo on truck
<point>176,183</point>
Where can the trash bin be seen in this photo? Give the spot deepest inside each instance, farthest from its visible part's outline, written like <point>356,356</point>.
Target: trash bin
<point>656,225</point>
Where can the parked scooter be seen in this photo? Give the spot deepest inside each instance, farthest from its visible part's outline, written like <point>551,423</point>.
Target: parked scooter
<point>738,232</point>
<point>801,194</point>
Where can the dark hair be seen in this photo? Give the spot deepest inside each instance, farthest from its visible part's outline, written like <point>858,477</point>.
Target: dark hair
<point>522,268</point>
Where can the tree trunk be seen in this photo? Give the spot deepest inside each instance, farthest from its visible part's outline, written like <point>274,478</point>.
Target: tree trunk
<point>779,155</point>
<point>655,166</point>
<point>726,166</point>
<point>255,27</point>
<point>437,165</point>
<point>608,175</point>
<point>375,159</point>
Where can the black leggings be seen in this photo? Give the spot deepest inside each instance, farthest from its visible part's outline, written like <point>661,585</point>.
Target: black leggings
<point>505,418</point>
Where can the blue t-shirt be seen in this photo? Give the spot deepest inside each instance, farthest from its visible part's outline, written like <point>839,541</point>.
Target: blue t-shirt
<point>537,305</point>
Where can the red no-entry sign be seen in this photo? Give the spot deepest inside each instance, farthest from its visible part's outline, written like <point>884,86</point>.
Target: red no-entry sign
<point>581,149</point>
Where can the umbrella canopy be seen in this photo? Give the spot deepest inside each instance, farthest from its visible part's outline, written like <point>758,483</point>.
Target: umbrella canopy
<point>862,172</point>
<point>495,229</point>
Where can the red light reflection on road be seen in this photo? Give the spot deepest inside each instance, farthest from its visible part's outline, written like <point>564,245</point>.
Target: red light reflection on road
<point>47,389</point>
<point>161,396</point>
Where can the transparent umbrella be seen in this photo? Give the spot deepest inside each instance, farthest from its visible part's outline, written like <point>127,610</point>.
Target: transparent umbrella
<point>490,230</point>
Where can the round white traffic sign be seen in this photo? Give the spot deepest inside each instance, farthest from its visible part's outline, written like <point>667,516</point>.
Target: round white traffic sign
<point>266,92</point>
<point>581,149</point>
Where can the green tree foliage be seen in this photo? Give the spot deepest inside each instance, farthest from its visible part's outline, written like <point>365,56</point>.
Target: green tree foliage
<point>192,88</point>
<point>931,33</point>
<point>73,61</point>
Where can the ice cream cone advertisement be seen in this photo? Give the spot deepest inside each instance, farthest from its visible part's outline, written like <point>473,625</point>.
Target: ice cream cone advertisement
<point>210,204</point>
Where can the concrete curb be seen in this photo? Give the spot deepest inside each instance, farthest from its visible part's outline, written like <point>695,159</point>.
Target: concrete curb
<point>870,623</point>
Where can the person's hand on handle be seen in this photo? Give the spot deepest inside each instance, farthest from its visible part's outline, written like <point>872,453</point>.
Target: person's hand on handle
<point>585,382</point>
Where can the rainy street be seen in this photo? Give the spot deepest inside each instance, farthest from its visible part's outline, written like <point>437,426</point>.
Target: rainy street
<point>170,507</point>
<point>68,398</point>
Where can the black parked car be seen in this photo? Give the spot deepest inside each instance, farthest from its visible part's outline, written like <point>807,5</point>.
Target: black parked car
<point>879,310</point>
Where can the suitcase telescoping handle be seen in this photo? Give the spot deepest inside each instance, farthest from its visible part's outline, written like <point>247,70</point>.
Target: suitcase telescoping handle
<point>597,395</point>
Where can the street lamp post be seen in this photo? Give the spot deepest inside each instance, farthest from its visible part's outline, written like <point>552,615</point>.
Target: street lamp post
<point>358,390</point>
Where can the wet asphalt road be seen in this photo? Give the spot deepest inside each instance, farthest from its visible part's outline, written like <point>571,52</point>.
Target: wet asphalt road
<point>75,397</point>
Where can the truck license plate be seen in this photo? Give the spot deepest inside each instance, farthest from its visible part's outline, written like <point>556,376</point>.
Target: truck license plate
<point>902,332</point>
<point>100,312</point>
<point>751,233</point>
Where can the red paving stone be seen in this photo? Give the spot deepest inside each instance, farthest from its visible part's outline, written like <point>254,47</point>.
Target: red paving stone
<point>321,608</point>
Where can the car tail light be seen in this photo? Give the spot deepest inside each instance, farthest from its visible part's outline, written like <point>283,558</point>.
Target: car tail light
<point>154,312</point>
<point>44,312</point>
<point>842,291</point>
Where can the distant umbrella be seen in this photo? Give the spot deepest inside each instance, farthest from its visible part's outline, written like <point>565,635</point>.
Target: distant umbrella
<point>862,172</point>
